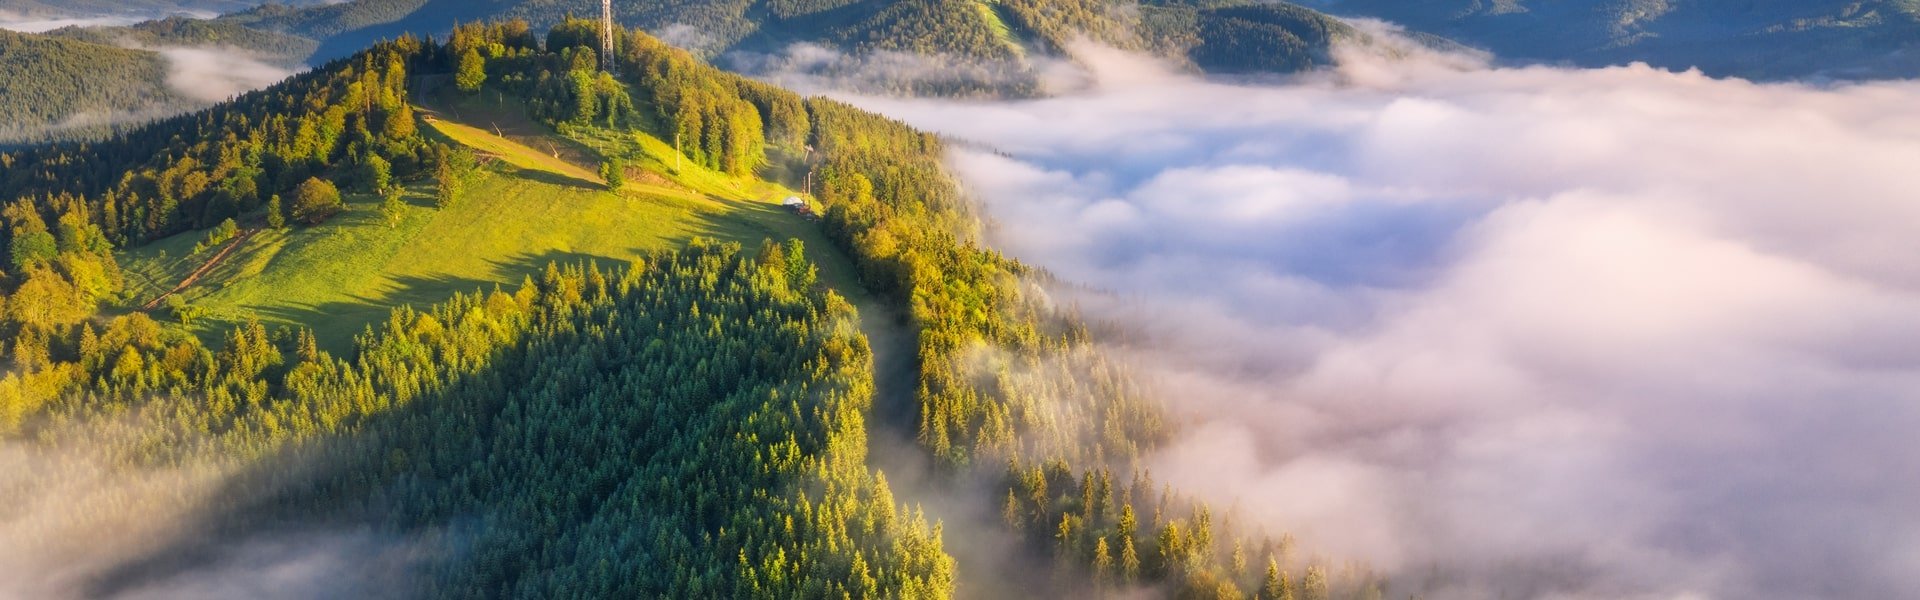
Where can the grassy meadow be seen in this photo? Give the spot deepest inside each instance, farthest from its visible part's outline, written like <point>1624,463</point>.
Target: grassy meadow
<point>537,200</point>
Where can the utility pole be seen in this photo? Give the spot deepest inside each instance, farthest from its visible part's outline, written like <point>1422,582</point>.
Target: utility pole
<point>606,35</point>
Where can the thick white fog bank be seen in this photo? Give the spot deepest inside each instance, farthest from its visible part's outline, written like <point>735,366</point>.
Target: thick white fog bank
<point>1533,332</point>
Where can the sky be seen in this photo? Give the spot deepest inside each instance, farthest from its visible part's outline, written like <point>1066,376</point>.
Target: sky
<point>1553,333</point>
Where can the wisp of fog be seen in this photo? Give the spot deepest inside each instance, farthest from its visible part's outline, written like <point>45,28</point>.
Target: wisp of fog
<point>215,74</point>
<point>1501,332</point>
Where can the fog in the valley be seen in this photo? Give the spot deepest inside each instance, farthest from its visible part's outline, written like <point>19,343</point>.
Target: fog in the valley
<point>195,76</point>
<point>215,74</point>
<point>12,21</point>
<point>1501,332</point>
<point>84,517</point>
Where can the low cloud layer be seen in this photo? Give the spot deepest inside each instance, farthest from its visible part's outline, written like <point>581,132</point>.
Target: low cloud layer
<point>42,22</point>
<point>215,74</point>
<point>83,517</point>
<point>812,68</point>
<point>1529,332</point>
<point>31,24</point>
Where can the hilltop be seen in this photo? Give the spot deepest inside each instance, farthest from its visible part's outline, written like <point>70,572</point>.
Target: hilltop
<point>526,207</point>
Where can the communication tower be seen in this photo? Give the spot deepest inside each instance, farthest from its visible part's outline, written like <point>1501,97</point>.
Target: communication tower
<point>606,35</point>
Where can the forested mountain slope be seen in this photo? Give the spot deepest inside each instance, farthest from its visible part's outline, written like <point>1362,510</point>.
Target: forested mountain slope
<point>52,87</point>
<point>1765,39</point>
<point>585,428</point>
<point>185,32</point>
<point>140,8</point>
<point>79,83</point>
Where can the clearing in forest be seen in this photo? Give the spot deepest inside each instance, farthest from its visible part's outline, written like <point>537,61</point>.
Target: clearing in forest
<point>533,204</point>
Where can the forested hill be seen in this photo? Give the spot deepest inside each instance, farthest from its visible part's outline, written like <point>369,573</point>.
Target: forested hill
<point>692,424</point>
<point>1221,35</point>
<point>57,88</point>
<point>1764,39</point>
<point>965,47</point>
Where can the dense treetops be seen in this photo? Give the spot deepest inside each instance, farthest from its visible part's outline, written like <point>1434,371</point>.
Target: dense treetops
<point>691,426</point>
<point>196,170</point>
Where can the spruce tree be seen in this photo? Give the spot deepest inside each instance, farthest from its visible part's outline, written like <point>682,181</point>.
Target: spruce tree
<point>276,217</point>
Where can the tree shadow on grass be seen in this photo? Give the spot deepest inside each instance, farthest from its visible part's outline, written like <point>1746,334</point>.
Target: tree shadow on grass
<point>334,324</point>
<point>552,178</point>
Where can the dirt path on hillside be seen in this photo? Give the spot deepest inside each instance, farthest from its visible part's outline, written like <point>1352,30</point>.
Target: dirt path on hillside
<point>194,277</point>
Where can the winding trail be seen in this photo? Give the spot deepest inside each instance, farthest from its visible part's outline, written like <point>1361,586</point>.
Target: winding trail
<point>194,277</point>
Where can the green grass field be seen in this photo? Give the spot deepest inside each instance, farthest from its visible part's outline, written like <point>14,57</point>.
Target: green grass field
<point>990,12</point>
<point>527,208</point>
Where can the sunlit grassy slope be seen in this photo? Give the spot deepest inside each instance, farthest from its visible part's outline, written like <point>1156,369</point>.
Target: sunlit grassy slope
<point>529,207</point>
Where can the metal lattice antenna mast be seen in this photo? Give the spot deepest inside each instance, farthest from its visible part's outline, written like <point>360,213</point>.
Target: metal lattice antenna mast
<point>606,35</point>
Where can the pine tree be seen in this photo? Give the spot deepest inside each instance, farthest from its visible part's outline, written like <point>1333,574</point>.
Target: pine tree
<point>276,218</point>
<point>1276,587</point>
<point>1129,560</point>
<point>1011,513</point>
<point>1064,534</point>
<point>1239,560</point>
<point>1102,561</point>
<point>1314,585</point>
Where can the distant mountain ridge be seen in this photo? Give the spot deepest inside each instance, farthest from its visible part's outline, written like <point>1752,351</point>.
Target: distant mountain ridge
<point>92,8</point>
<point>1217,35</point>
<point>978,47</point>
<point>1755,39</point>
